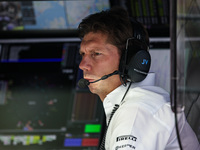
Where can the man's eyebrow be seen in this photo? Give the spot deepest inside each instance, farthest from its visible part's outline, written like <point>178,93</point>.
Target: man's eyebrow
<point>92,48</point>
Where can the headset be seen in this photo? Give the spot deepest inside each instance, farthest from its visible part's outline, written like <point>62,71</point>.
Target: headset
<point>135,59</point>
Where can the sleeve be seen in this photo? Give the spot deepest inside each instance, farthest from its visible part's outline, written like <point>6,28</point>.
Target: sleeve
<point>136,128</point>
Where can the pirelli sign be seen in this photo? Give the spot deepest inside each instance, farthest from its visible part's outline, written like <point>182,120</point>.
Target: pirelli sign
<point>126,137</point>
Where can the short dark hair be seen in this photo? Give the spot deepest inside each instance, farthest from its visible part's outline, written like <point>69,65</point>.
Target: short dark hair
<point>114,22</point>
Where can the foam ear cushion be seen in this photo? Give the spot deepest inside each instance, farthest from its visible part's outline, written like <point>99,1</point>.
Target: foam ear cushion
<point>139,66</point>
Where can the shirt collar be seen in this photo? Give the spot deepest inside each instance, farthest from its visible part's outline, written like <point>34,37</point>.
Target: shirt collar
<point>116,95</point>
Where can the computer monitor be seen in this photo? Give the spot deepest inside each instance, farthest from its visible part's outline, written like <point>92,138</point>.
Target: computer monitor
<point>47,15</point>
<point>41,106</point>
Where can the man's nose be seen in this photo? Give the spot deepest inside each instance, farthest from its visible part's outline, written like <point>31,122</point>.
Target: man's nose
<point>85,63</point>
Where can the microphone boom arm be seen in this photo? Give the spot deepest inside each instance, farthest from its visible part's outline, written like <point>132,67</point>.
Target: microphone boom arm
<point>83,82</point>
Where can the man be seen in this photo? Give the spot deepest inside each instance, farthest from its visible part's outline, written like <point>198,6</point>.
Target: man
<point>142,118</point>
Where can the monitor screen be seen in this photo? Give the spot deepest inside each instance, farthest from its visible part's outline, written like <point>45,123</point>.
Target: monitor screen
<point>154,14</point>
<point>47,15</point>
<point>41,106</point>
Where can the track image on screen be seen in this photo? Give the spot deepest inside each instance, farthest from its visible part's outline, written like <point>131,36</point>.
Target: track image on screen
<point>40,104</point>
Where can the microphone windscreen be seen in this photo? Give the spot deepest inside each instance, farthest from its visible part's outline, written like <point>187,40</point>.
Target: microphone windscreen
<point>83,83</point>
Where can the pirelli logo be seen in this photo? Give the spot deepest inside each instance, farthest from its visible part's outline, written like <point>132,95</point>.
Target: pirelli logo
<point>126,137</point>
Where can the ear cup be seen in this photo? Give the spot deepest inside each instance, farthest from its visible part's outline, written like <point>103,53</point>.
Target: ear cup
<point>135,59</point>
<point>139,66</point>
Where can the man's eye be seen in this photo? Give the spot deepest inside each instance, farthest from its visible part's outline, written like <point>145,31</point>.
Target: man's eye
<point>97,53</point>
<point>82,54</point>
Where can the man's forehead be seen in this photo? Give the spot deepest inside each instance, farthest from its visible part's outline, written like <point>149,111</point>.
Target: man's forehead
<point>90,41</point>
<point>90,45</point>
<point>96,36</point>
<point>93,40</point>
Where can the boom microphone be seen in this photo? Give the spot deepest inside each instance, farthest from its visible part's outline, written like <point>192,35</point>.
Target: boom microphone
<point>83,83</point>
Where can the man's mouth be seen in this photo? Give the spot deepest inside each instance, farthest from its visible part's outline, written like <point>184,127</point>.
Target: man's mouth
<point>89,79</point>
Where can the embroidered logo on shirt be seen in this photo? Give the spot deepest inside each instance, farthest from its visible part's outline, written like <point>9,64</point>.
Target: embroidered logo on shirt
<point>126,137</point>
<point>124,146</point>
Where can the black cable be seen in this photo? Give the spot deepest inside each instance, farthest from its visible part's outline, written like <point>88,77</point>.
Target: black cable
<point>173,47</point>
<point>102,146</point>
<point>176,124</point>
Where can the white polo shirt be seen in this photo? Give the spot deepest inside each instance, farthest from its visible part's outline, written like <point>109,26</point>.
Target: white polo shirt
<point>144,120</point>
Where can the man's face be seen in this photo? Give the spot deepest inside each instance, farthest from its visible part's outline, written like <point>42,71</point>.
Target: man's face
<point>99,58</point>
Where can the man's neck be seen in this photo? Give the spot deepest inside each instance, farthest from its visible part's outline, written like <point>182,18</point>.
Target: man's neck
<point>103,95</point>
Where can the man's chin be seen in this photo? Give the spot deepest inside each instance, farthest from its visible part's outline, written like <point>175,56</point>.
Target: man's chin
<point>93,89</point>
